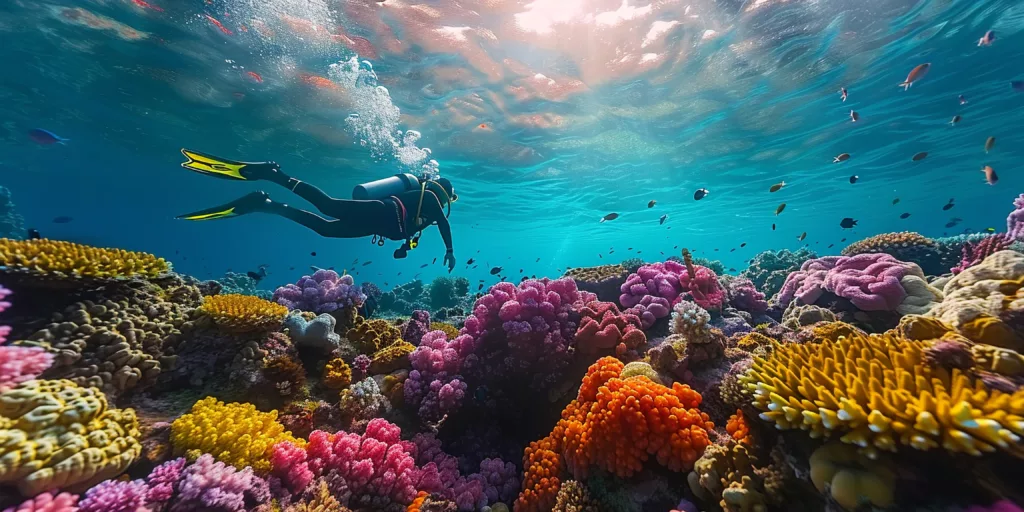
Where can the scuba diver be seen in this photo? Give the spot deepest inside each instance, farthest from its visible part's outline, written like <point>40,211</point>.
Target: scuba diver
<point>397,208</point>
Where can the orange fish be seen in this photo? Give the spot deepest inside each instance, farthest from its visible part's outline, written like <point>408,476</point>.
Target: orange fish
<point>990,175</point>
<point>219,25</point>
<point>254,76</point>
<point>146,5</point>
<point>318,81</point>
<point>916,74</point>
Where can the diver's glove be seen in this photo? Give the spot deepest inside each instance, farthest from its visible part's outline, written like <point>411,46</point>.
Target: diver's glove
<point>401,253</point>
<point>449,259</point>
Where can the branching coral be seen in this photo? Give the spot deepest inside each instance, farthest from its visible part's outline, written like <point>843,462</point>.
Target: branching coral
<point>739,429</point>
<point>337,374</point>
<point>742,295</point>
<point>435,386</point>
<point>115,496</point>
<point>55,434</point>
<point>56,259</point>
<point>323,292</point>
<point>670,280</point>
<point>207,484</point>
<point>19,364</point>
<point>875,391</point>
<point>243,313</point>
<point>234,433</point>
<point>48,502</point>
<point>603,327</point>
<point>974,253</point>
<point>363,402</point>
<point>769,269</point>
<point>615,424</point>
<point>574,497</point>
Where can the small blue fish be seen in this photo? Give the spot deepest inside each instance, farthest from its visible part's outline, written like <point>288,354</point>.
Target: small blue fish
<point>45,137</point>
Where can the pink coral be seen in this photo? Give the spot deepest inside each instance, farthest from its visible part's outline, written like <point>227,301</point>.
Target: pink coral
<point>210,485</point>
<point>604,327</point>
<point>47,502</point>
<point>377,467</point>
<point>650,309</point>
<point>18,364</point>
<point>871,281</point>
<point>1015,221</point>
<point>4,329</point>
<point>974,253</point>
<point>671,280</point>
<point>701,284</point>
<point>743,295</point>
<point>163,479</point>
<point>526,329</point>
<point>116,496</point>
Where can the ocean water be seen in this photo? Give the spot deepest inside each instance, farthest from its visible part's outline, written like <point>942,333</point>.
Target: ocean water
<point>546,114</point>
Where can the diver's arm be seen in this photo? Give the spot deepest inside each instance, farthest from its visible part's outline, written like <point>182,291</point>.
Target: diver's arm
<point>446,232</point>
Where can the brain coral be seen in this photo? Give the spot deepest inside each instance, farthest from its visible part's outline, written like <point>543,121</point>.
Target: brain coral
<point>243,313</point>
<point>615,424</point>
<point>904,246</point>
<point>115,344</point>
<point>236,434</point>
<point>876,392</point>
<point>56,434</point>
<point>64,260</point>
<point>978,298</point>
<point>604,280</point>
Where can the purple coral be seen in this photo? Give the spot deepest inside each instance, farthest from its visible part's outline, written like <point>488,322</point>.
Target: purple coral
<point>163,479</point>
<point>974,253</point>
<point>115,496</point>
<point>526,329</point>
<point>650,309</point>
<point>870,281</point>
<point>416,327</point>
<point>48,502</point>
<point>1015,221</point>
<point>211,485</point>
<point>4,329</point>
<point>323,292</point>
<point>434,385</point>
<point>672,280</point>
<point>496,481</point>
<point>743,295</point>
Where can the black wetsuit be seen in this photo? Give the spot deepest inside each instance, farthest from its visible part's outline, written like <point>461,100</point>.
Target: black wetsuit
<point>356,219</point>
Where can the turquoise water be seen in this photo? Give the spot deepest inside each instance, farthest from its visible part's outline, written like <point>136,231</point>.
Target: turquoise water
<point>545,114</point>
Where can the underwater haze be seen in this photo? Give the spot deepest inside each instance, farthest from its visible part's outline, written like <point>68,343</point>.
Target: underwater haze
<point>546,115</point>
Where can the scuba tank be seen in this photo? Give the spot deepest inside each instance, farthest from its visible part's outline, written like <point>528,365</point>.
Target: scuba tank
<point>386,187</point>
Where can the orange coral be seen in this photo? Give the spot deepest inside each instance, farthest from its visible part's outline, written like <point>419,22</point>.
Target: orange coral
<point>337,374</point>
<point>418,502</point>
<point>739,429</point>
<point>243,313</point>
<point>615,424</point>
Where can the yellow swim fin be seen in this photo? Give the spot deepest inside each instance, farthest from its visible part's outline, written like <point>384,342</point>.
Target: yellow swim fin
<point>248,203</point>
<point>213,166</point>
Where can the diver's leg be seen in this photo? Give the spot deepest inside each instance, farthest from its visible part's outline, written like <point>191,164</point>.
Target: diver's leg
<point>345,228</point>
<point>318,198</point>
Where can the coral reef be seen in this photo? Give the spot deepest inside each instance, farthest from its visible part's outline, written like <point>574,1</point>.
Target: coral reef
<point>974,253</point>
<point>615,424</point>
<point>323,292</point>
<point>904,246</point>
<point>317,334</point>
<point>797,316</point>
<point>446,292</point>
<point>237,313</point>
<point>48,502</point>
<point>742,295</point>
<point>241,284</point>
<point>59,260</point>
<point>234,433</point>
<point>768,270</point>
<point>603,281</point>
<point>852,478</point>
<point>729,473</point>
<point>603,327</point>
<point>337,374</point>
<point>56,434</point>
<point>573,497</point>
<point>435,386</point>
<point>670,280</point>
<point>875,391</point>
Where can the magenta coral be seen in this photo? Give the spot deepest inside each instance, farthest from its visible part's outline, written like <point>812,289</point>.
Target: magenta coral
<point>418,325</point>
<point>47,502</point>
<point>163,480</point>
<point>999,506</point>
<point>701,284</point>
<point>743,295</point>
<point>496,481</point>
<point>972,254</point>
<point>377,467</point>
<point>650,309</point>
<point>871,281</point>
<point>19,364</point>
<point>115,496</point>
<point>210,485</point>
<point>672,280</point>
<point>4,329</point>
<point>526,329</point>
<point>323,292</point>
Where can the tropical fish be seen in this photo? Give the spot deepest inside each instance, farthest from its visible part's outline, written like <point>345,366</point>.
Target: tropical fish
<point>842,93</point>
<point>919,156</point>
<point>254,76</point>
<point>802,236</point>
<point>773,227</point>
<point>989,144</point>
<point>953,222</point>
<point>423,265</point>
<point>847,223</point>
<point>842,157</point>
<point>955,120</point>
<point>45,137</point>
<point>854,116</point>
<point>830,246</point>
<point>313,253</point>
<point>990,175</point>
<point>470,262</point>
<point>495,271</point>
<point>777,187</point>
<point>948,205</point>
<point>916,74</point>
<point>610,216</point>
<point>219,25</point>
<point>365,263</point>
<point>661,220</point>
<point>962,99</point>
<point>744,244</point>
<point>700,193</point>
<point>780,208</point>
<point>651,203</point>
<point>894,201</point>
<point>987,39</point>
<point>905,215</point>
<point>62,219</point>
<point>854,178</point>
<point>990,230</point>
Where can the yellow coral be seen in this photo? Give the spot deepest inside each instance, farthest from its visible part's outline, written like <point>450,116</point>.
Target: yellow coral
<point>369,336</point>
<point>752,340</point>
<point>978,298</point>
<point>597,274</point>
<point>896,244</point>
<point>56,434</point>
<point>337,374</point>
<point>833,330</point>
<point>56,258</point>
<point>243,313</point>
<point>853,479</point>
<point>640,368</point>
<point>235,433</point>
<point>449,330</point>
<point>728,473</point>
<point>998,360</point>
<point>875,392</point>
<point>391,357</point>
<point>321,501</point>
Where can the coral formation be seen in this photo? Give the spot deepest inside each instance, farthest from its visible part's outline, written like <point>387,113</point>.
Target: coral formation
<point>768,270</point>
<point>435,386</point>
<point>670,280</point>
<point>446,292</point>
<point>235,433</point>
<point>615,424</point>
<point>19,364</point>
<point>573,497</point>
<point>742,295</point>
<point>603,327</point>
<point>851,478</point>
<point>236,313</point>
<point>48,502</point>
<point>797,315</point>
<point>317,333</point>
<point>323,292</point>
<point>905,246</point>
<point>56,434</point>
<point>337,374</point>
<point>875,391</point>
<point>603,281</point>
<point>241,284</point>
<point>729,473</point>
<point>57,259</point>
